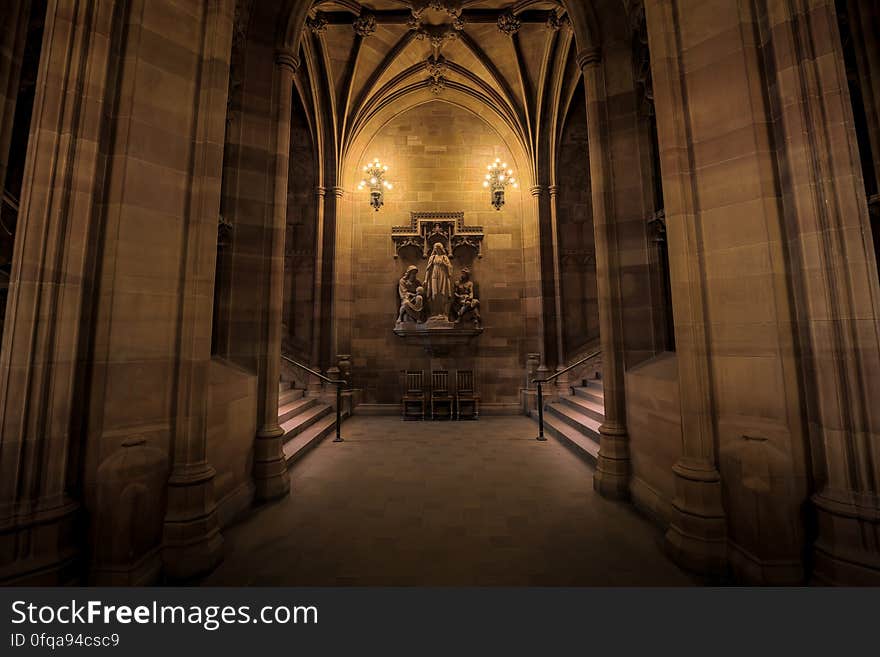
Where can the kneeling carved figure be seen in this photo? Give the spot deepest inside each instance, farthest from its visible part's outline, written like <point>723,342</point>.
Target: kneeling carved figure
<point>466,301</point>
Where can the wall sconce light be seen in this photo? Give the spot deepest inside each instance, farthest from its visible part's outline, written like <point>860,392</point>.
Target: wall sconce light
<point>497,180</point>
<point>374,178</point>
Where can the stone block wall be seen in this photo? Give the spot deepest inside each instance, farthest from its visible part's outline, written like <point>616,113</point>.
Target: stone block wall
<point>437,155</point>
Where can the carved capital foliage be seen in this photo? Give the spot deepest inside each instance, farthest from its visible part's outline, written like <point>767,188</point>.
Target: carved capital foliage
<point>318,24</point>
<point>364,25</point>
<point>509,24</point>
<point>437,70</point>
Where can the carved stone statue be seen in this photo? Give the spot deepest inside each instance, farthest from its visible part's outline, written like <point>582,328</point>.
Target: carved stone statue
<point>408,283</point>
<point>411,308</point>
<point>465,298</point>
<point>438,282</point>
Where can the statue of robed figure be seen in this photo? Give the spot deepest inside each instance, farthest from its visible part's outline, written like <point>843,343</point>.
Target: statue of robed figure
<point>438,282</point>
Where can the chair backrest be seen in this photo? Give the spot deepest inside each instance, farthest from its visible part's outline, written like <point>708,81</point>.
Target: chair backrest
<point>415,381</point>
<point>440,381</point>
<point>464,381</point>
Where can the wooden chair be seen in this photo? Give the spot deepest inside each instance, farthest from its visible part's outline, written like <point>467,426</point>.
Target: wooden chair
<point>413,400</point>
<point>467,401</point>
<point>441,396</point>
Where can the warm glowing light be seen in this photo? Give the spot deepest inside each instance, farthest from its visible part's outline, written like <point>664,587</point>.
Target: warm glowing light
<point>498,178</point>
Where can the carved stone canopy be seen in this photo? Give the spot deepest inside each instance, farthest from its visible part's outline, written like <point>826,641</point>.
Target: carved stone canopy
<point>427,228</point>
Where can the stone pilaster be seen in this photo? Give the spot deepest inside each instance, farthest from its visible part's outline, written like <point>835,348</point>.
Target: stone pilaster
<point>320,196</point>
<point>613,466</point>
<point>557,276</point>
<point>270,468</point>
<point>192,543</point>
<point>834,274</point>
<point>696,537</point>
<point>538,193</point>
<point>40,390</point>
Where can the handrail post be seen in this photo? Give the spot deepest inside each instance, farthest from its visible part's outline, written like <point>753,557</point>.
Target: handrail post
<point>541,411</point>
<point>338,438</point>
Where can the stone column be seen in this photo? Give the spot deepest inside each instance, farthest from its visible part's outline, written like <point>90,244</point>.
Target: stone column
<point>40,392</point>
<point>696,536</point>
<point>320,195</point>
<point>562,381</point>
<point>14,16</point>
<point>835,279</point>
<point>270,468</point>
<point>192,540</point>
<point>537,191</point>
<point>612,469</point>
<point>338,299</point>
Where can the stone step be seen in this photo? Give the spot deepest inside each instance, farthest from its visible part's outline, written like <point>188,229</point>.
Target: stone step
<point>579,421</point>
<point>284,385</point>
<point>310,437</point>
<point>584,446</point>
<point>588,407</point>
<point>304,419</point>
<point>592,392</point>
<point>295,407</point>
<point>287,399</point>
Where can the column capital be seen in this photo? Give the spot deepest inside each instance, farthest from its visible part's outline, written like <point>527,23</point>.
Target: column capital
<point>589,57</point>
<point>554,190</point>
<point>338,192</point>
<point>287,59</point>
<point>320,191</point>
<point>537,190</point>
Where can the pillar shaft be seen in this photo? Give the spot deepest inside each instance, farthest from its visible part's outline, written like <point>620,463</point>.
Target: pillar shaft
<point>557,276</point>
<point>192,540</point>
<point>696,536</point>
<point>612,470</point>
<point>270,468</point>
<point>39,385</point>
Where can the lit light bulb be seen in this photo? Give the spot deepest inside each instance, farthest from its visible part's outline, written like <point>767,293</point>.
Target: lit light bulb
<point>390,186</point>
<point>501,177</point>
<point>485,183</point>
<point>385,168</point>
<point>510,172</point>
<point>516,185</point>
<point>373,181</point>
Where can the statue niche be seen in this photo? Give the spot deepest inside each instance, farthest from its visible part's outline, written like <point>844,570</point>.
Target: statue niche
<point>440,312</point>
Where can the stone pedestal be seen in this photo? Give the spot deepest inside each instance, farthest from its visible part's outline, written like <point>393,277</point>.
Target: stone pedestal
<point>438,336</point>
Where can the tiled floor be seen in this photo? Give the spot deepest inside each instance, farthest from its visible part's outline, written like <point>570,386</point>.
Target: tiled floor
<point>429,503</point>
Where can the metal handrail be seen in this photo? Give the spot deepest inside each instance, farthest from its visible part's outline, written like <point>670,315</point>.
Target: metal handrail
<point>541,382</point>
<point>337,382</point>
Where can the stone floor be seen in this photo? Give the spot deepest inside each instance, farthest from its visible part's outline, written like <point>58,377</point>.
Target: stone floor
<point>430,503</point>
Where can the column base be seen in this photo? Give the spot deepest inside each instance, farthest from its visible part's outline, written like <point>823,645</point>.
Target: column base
<point>40,548</point>
<point>192,544</point>
<point>271,480</point>
<point>847,552</point>
<point>697,536</point>
<point>612,467</point>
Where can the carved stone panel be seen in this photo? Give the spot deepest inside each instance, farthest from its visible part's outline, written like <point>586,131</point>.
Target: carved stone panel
<point>429,228</point>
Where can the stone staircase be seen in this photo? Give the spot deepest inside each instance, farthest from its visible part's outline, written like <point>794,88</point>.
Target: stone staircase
<point>306,421</point>
<point>574,420</point>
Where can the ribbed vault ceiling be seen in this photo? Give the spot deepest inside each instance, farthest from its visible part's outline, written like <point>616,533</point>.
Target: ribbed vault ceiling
<point>511,62</point>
